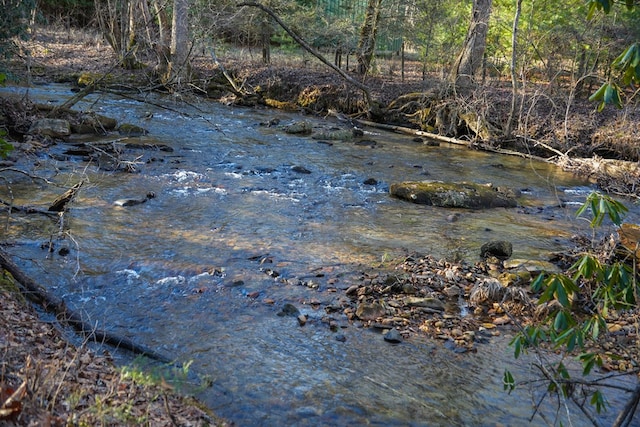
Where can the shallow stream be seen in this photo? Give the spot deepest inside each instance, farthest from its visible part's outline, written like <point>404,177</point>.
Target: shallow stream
<point>197,272</point>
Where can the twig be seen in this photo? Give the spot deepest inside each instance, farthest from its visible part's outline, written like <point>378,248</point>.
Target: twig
<point>237,90</point>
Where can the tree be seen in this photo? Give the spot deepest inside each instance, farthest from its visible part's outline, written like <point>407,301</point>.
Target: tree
<point>512,68</point>
<point>368,33</point>
<point>179,69</point>
<point>14,19</point>
<point>472,53</point>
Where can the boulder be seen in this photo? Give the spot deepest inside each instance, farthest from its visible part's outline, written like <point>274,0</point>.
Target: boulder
<point>93,124</point>
<point>55,128</point>
<point>500,249</point>
<point>464,195</point>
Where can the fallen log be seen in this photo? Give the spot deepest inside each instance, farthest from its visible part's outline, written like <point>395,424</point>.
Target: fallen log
<point>449,140</point>
<point>52,304</point>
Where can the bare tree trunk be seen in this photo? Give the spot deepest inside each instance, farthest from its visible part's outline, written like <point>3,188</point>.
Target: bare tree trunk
<point>368,32</point>
<point>514,78</point>
<point>470,58</point>
<point>311,50</point>
<point>265,35</point>
<point>118,27</point>
<point>179,69</point>
<point>162,48</point>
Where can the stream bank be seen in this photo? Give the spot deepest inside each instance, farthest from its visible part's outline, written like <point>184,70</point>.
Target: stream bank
<point>260,174</point>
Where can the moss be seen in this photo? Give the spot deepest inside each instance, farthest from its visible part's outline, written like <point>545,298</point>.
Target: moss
<point>454,195</point>
<point>281,105</point>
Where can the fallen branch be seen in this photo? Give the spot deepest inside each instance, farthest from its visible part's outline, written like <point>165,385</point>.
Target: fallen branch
<point>435,136</point>
<point>311,50</point>
<point>60,203</point>
<point>236,89</point>
<point>11,208</point>
<point>87,90</point>
<point>66,316</point>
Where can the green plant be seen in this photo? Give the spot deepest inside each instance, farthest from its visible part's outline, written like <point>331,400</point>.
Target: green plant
<point>5,147</point>
<point>625,68</point>
<point>140,372</point>
<point>576,305</point>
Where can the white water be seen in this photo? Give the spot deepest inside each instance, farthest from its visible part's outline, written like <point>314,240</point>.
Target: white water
<point>227,201</point>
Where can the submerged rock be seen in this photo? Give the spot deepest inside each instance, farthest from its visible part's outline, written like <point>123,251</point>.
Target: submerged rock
<point>302,127</point>
<point>464,195</point>
<point>289,310</point>
<point>127,129</point>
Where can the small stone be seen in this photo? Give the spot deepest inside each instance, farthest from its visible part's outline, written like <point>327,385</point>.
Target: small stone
<point>470,336</point>
<point>341,337</point>
<point>128,129</point>
<point>55,128</point>
<point>393,336</point>
<point>301,170</point>
<point>269,301</point>
<point>370,311</point>
<point>302,127</point>
<point>432,303</point>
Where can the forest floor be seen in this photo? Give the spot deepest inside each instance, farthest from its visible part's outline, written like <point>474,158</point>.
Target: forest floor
<point>46,381</point>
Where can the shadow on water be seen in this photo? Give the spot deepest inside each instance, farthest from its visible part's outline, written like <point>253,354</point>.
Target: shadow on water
<point>199,271</point>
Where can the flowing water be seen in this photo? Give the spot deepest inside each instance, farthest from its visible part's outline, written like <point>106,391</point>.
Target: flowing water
<point>197,272</point>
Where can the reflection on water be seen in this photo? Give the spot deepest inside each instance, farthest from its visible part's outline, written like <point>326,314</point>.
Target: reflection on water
<point>201,270</point>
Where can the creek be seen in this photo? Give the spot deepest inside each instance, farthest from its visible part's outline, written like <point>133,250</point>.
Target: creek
<point>198,272</point>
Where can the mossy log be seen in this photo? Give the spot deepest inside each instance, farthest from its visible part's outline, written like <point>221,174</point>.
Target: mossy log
<point>463,195</point>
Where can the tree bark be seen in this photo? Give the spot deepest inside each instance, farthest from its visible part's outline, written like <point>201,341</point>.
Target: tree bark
<point>514,78</point>
<point>163,46</point>
<point>179,69</point>
<point>368,33</point>
<point>470,58</point>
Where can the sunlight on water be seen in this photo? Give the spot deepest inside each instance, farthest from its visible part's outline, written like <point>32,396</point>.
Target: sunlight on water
<point>238,208</point>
